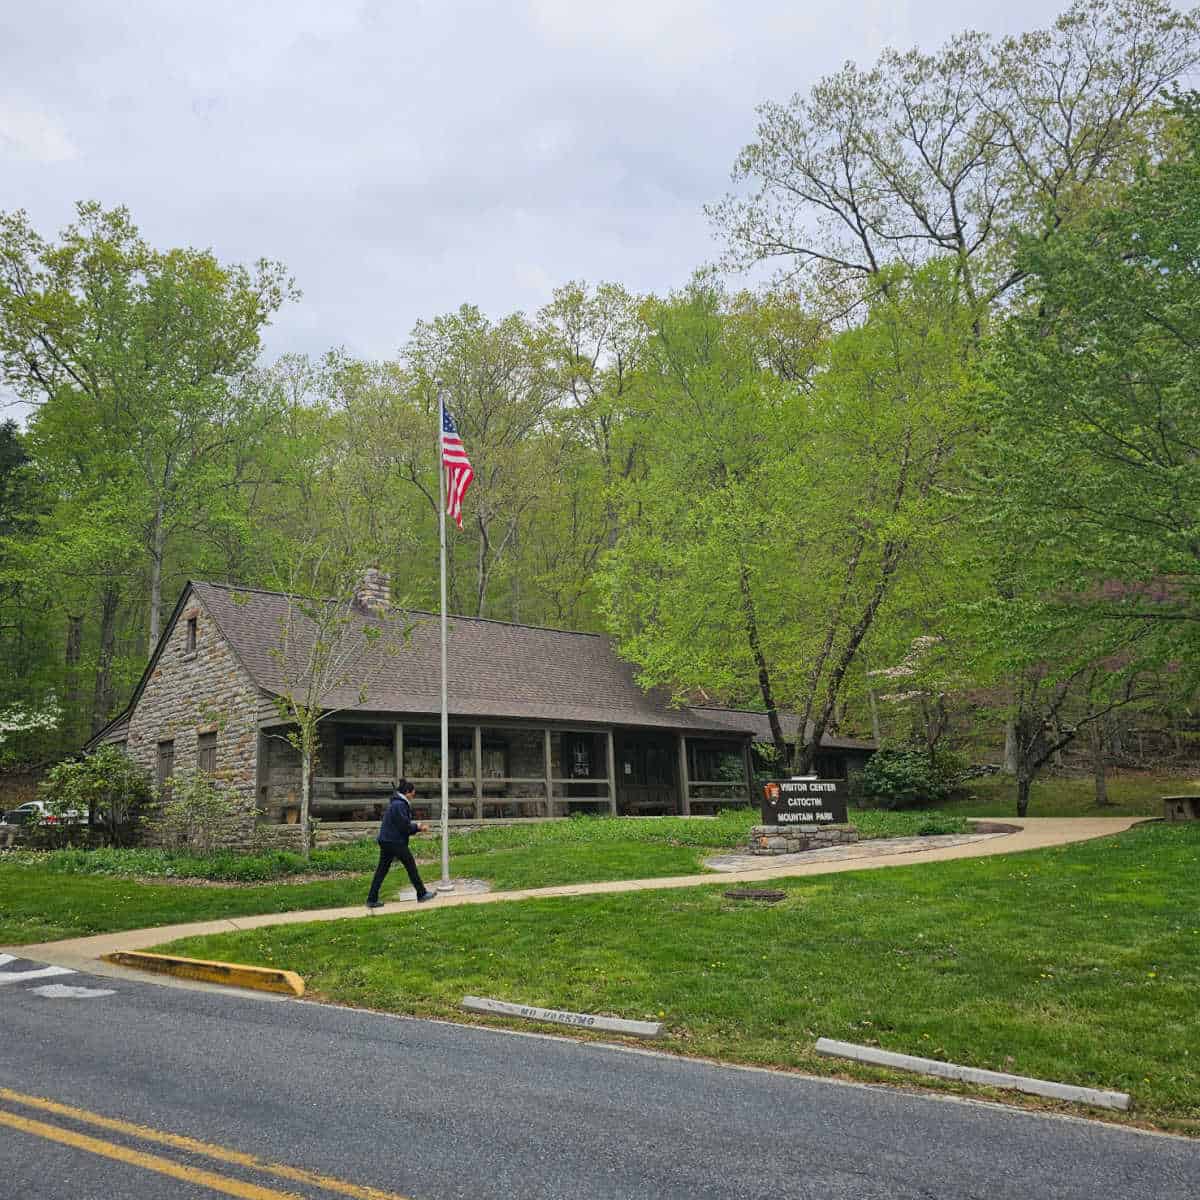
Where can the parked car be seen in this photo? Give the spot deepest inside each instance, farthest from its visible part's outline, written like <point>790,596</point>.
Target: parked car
<point>37,812</point>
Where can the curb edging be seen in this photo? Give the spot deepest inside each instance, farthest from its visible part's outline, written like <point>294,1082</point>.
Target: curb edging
<point>260,979</point>
<point>557,1016</point>
<point>996,1079</point>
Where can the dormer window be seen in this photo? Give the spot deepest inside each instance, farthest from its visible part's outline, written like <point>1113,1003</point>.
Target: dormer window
<point>191,634</point>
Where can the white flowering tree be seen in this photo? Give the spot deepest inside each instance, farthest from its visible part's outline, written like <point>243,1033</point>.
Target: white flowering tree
<point>918,680</point>
<point>18,719</point>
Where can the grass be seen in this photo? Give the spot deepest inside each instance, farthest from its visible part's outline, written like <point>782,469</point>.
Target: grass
<point>591,848</point>
<point>42,906</point>
<point>46,896</point>
<point>1080,964</point>
<point>1131,794</point>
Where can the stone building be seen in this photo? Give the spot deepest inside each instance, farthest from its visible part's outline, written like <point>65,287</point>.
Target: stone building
<point>543,722</point>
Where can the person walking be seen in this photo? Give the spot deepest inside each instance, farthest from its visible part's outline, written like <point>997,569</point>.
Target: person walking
<point>395,829</point>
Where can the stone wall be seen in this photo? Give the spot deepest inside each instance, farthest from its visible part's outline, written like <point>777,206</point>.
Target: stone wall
<point>788,839</point>
<point>278,837</point>
<point>202,691</point>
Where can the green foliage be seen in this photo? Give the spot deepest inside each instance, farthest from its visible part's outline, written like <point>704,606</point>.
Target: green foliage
<point>1090,406</point>
<point>761,496</point>
<point>748,564</point>
<point>198,814</point>
<point>108,788</point>
<point>902,778</point>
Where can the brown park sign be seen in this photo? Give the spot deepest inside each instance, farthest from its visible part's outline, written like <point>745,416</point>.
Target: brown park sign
<point>805,802</point>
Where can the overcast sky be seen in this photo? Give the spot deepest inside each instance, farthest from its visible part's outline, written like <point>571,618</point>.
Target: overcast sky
<point>404,157</point>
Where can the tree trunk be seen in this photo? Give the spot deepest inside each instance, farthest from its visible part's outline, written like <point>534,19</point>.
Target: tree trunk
<point>764,675</point>
<point>1115,739</point>
<point>102,696</point>
<point>1010,747</point>
<point>811,745</point>
<point>1096,738</point>
<point>72,700</point>
<point>157,539</point>
<point>1023,786</point>
<point>874,716</point>
<point>305,794</point>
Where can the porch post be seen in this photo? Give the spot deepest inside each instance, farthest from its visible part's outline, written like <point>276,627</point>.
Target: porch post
<point>611,755</point>
<point>748,759</point>
<point>478,773</point>
<point>398,752</point>
<point>549,775</point>
<point>685,798</point>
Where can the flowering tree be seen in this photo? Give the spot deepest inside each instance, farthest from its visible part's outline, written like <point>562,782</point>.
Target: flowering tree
<point>19,719</point>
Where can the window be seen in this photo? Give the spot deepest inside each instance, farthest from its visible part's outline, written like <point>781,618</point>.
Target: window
<point>191,634</point>
<point>206,753</point>
<point>166,768</point>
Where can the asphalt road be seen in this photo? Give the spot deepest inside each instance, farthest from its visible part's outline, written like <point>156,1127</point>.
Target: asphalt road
<point>287,1098</point>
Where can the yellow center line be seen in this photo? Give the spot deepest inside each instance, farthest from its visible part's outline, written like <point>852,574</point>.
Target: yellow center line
<point>150,1162</point>
<point>179,1142</point>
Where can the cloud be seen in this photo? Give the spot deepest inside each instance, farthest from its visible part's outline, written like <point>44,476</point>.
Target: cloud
<point>672,31</point>
<point>30,134</point>
<point>406,156</point>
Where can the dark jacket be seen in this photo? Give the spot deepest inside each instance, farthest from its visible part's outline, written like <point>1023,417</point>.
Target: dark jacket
<point>398,824</point>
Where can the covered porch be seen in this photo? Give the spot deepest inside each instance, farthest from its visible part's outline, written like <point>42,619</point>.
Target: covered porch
<point>503,770</point>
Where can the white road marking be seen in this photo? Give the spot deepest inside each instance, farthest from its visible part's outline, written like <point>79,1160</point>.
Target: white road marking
<point>63,991</point>
<point>41,973</point>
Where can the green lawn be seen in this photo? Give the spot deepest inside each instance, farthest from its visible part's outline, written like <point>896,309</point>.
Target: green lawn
<point>1132,794</point>
<point>72,893</point>
<point>42,906</point>
<point>1080,964</point>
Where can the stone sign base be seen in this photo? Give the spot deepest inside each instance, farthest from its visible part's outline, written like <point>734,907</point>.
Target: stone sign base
<point>791,839</point>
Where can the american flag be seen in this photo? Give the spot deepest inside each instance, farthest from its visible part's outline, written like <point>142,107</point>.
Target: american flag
<point>458,467</point>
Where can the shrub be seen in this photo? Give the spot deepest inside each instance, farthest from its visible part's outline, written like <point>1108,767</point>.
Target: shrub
<point>106,787</point>
<point>197,815</point>
<point>909,778</point>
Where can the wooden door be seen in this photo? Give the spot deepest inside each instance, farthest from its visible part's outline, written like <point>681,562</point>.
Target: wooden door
<point>647,774</point>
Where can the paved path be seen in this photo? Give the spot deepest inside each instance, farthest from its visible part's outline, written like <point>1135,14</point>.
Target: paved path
<point>1034,833</point>
<point>874,848</point>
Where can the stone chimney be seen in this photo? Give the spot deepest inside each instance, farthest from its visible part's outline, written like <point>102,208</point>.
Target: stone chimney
<point>374,592</point>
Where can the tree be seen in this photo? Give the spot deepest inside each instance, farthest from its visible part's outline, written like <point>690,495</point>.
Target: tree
<point>131,356</point>
<point>330,652</point>
<point>776,517</point>
<point>1056,670</point>
<point>498,380</point>
<point>693,563</point>
<point>28,633</point>
<point>17,720</point>
<point>956,152</point>
<point>885,424</point>
<point>1090,405</point>
<point>109,786</point>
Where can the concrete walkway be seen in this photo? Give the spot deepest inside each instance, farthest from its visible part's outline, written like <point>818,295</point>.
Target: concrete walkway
<point>1033,833</point>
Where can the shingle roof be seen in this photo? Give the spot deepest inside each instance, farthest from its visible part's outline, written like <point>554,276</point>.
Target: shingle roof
<point>760,726</point>
<point>495,669</point>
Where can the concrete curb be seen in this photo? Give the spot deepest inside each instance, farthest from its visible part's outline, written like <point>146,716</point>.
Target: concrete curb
<point>529,1012</point>
<point>996,1079</point>
<point>260,979</point>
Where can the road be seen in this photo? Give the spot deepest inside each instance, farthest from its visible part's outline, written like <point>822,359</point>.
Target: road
<point>113,1089</point>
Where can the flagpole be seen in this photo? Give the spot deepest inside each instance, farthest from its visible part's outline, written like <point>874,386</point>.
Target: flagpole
<point>446,884</point>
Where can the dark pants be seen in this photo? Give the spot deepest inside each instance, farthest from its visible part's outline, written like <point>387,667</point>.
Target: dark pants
<point>388,852</point>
